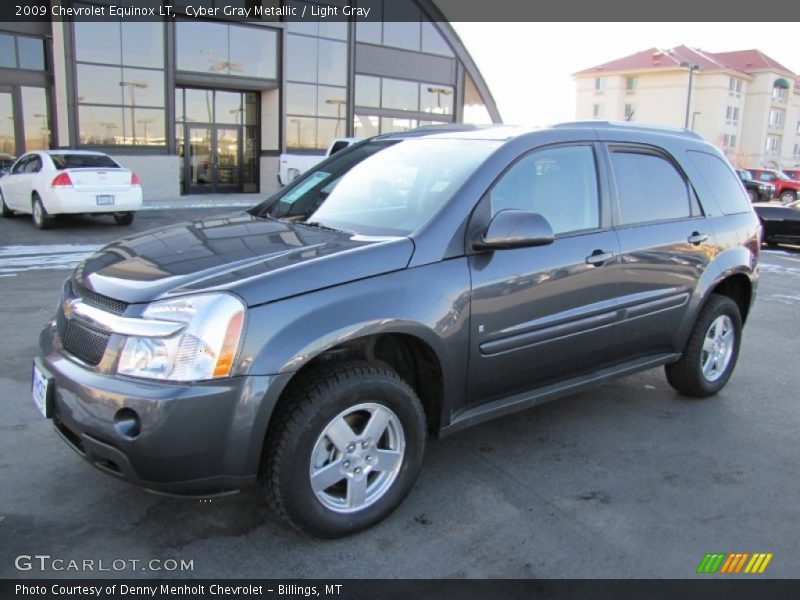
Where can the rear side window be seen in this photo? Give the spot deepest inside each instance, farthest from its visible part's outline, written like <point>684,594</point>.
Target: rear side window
<point>649,188</point>
<point>725,186</point>
<point>558,183</point>
<point>83,161</point>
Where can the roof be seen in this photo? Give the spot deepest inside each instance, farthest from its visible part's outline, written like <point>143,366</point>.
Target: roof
<point>741,61</point>
<point>750,60</point>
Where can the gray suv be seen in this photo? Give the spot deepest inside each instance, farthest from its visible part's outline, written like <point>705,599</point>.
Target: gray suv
<point>412,284</point>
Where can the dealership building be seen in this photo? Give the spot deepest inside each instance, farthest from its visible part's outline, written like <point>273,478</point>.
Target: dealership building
<point>207,105</point>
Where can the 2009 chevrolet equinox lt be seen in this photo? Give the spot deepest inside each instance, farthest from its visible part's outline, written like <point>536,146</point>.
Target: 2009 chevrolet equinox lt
<point>414,283</point>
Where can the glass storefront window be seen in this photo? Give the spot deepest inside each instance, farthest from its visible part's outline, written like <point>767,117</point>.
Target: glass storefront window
<point>223,49</point>
<point>301,132</point>
<point>228,107</point>
<point>22,52</point>
<point>332,65</point>
<point>402,35</point>
<point>395,124</point>
<point>7,53</point>
<point>331,102</point>
<point>200,106</point>
<point>365,126</point>
<point>475,110</point>
<point>8,146</point>
<point>301,58</point>
<point>368,91</point>
<point>144,126</point>
<point>301,99</point>
<point>36,118</point>
<point>433,42</point>
<point>400,27</point>
<point>400,95</point>
<point>126,76</point>
<point>101,125</point>
<point>436,98</point>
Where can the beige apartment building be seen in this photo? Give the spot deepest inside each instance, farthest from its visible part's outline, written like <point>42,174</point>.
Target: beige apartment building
<point>745,102</point>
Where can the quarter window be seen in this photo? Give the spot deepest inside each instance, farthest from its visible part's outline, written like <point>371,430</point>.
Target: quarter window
<point>649,188</point>
<point>558,183</point>
<point>722,181</point>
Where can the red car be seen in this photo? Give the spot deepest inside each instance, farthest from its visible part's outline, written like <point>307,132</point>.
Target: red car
<point>792,173</point>
<point>786,189</point>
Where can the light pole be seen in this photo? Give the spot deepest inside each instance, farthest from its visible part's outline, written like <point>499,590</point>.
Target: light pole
<point>439,91</point>
<point>132,85</point>
<point>692,68</point>
<point>338,102</point>
<point>145,122</point>
<point>297,122</point>
<point>694,116</point>
<point>109,125</point>
<point>45,129</point>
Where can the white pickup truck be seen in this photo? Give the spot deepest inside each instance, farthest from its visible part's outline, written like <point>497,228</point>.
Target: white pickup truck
<point>292,165</point>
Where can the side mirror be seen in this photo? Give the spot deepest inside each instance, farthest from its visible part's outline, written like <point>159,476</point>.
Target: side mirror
<point>515,229</point>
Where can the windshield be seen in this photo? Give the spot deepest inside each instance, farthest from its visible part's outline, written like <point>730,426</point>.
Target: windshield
<point>381,188</point>
<point>83,161</point>
<point>781,176</point>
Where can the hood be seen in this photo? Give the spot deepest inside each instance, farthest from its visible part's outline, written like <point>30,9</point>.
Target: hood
<point>261,260</point>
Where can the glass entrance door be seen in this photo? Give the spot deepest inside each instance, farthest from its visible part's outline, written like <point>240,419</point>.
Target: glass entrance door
<point>214,159</point>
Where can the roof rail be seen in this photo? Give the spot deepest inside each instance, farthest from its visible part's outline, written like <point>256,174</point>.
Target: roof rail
<point>629,125</point>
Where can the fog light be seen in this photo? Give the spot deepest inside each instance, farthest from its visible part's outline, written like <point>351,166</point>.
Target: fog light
<point>127,423</point>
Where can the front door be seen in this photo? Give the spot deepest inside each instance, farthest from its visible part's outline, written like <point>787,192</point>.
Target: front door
<point>213,159</point>
<point>540,315</point>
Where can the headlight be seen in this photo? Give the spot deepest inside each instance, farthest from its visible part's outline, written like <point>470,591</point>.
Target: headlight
<point>204,349</point>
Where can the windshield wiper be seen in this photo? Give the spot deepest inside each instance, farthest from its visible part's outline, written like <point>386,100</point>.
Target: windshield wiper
<point>319,225</point>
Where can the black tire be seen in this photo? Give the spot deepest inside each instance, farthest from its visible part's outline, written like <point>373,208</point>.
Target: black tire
<point>123,219</point>
<point>312,404</point>
<point>4,210</point>
<point>39,214</point>
<point>752,195</point>
<point>788,196</point>
<point>686,375</point>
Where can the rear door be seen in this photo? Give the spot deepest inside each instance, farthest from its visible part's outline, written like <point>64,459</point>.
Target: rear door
<point>666,245</point>
<point>539,314</point>
<point>13,183</point>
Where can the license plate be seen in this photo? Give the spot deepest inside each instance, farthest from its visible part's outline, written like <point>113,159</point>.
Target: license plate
<point>104,200</point>
<point>41,390</point>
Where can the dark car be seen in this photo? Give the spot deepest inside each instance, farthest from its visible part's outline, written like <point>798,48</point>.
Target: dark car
<point>757,191</point>
<point>408,285</point>
<point>781,223</point>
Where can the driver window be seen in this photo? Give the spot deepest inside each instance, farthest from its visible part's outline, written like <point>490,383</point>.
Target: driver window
<point>558,183</point>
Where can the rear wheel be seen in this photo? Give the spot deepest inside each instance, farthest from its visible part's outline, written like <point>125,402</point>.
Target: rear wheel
<point>711,352</point>
<point>788,196</point>
<point>344,450</point>
<point>40,217</point>
<point>123,218</point>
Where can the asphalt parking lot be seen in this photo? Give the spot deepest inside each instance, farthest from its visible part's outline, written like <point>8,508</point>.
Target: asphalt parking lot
<point>627,480</point>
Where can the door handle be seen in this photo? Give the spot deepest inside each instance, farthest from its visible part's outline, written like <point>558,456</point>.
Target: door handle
<point>697,238</point>
<point>598,258</point>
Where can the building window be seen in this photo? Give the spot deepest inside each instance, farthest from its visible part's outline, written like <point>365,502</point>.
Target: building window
<point>316,88</point>
<point>735,114</point>
<point>798,128</point>
<point>597,111</point>
<point>779,93</point>
<point>404,95</point>
<point>631,83</point>
<point>400,29</point>
<point>735,85</point>
<point>739,85</point>
<point>775,118</point>
<point>599,84</point>
<point>797,150</point>
<point>221,49</point>
<point>773,143</point>
<point>120,83</point>
<point>728,113</point>
<point>365,125</point>
<point>630,111</point>
<point>22,52</point>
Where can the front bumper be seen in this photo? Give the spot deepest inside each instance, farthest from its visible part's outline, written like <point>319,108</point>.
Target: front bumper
<point>196,439</point>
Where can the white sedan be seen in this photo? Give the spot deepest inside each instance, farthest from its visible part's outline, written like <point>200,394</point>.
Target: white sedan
<point>56,182</point>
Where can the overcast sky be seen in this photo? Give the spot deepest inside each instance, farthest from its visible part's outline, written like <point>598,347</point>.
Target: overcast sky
<point>528,66</point>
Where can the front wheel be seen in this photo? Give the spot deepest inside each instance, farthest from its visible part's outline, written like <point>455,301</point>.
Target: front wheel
<point>711,352</point>
<point>4,210</point>
<point>344,449</point>
<point>752,195</point>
